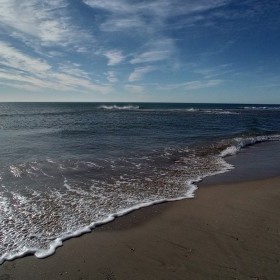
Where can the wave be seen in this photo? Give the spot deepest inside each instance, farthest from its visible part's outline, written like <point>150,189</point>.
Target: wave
<point>219,112</point>
<point>273,108</point>
<point>195,110</point>
<point>207,111</point>
<point>242,142</point>
<point>116,107</point>
<point>214,156</point>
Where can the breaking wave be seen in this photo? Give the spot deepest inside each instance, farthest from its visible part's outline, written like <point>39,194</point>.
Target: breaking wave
<point>116,107</point>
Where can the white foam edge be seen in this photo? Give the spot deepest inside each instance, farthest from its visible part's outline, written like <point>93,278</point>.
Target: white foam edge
<point>242,142</point>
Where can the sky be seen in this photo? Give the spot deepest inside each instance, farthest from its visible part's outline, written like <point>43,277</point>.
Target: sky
<point>220,51</point>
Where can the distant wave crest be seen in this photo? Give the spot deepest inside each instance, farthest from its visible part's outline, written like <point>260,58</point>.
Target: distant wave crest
<point>274,108</point>
<point>116,107</point>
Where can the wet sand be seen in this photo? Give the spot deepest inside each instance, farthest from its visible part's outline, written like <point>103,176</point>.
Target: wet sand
<point>229,231</point>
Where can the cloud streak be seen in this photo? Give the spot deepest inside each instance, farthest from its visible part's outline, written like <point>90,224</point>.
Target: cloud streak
<point>195,85</point>
<point>135,89</point>
<point>114,57</point>
<point>192,85</point>
<point>108,45</point>
<point>14,59</point>
<point>138,73</point>
<point>111,77</point>
<point>150,56</point>
<point>153,14</point>
<point>43,20</point>
<point>33,73</point>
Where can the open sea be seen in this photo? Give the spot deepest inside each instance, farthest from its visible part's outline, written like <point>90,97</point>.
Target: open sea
<point>67,167</point>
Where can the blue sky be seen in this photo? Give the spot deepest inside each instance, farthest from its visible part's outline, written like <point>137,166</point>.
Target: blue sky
<point>140,50</point>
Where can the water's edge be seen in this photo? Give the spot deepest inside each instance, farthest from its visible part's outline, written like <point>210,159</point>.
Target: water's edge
<point>191,187</point>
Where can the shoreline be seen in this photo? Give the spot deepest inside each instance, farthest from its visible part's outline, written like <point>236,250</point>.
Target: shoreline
<point>162,239</point>
<point>228,231</point>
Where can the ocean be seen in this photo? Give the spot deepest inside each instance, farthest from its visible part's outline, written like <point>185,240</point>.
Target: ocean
<point>66,168</point>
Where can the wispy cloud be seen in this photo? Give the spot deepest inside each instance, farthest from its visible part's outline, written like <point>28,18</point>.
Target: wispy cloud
<point>192,85</point>
<point>124,14</point>
<point>111,77</point>
<point>105,45</point>
<point>123,24</point>
<point>33,73</point>
<point>215,71</point>
<point>200,84</point>
<point>138,73</point>
<point>150,56</point>
<point>159,8</point>
<point>114,57</point>
<point>148,20</point>
<point>43,20</point>
<point>46,26</point>
<point>12,58</point>
<point>135,89</point>
<point>157,50</point>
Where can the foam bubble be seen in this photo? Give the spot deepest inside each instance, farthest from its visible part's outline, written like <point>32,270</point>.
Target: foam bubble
<point>15,171</point>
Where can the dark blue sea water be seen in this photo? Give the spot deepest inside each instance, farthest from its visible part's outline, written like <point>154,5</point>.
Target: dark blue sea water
<point>66,167</point>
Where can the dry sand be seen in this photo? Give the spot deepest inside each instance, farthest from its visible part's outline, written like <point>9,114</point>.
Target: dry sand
<point>230,231</point>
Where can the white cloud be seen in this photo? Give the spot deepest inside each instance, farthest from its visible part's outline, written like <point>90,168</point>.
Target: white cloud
<point>19,69</point>
<point>70,82</point>
<point>138,73</point>
<point>117,6</point>
<point>48,29</point>
<point>11,57</point>
<point>111,77</point>
<point>154,51</point>
<point>218,70</point>
<point>72,69</point>
<point>151,56</point>
<point>194,85</point>
<point>162,8</point>
<point>40,22</point>
<point>114,57</point>
<point>150,13</point>
<point>123,24</point>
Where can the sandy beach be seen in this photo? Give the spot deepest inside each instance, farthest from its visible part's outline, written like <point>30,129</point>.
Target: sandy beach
<point>229,231</point>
